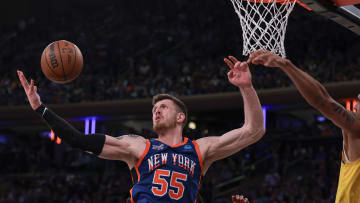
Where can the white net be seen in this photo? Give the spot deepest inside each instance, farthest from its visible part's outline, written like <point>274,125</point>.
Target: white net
<point>263,24</point>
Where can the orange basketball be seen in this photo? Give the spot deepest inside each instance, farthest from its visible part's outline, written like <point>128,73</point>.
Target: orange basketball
<point>61,61</point>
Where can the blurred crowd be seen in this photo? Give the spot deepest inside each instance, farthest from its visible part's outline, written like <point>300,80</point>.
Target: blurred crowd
<point>138,49</point>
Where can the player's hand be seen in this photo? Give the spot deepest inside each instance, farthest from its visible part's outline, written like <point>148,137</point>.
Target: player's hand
<point>239,199</point>
<point>239,74</point>
<point>30,90</point>
<point>266,58</point>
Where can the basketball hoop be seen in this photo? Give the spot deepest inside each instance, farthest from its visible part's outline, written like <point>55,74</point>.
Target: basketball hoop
<point>263,24</point>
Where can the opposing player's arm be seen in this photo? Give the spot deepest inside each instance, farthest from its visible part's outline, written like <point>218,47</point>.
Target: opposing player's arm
<point>345,119</point>
<point>318,97</point>
<point>313,92</point>
<point>215,148</point>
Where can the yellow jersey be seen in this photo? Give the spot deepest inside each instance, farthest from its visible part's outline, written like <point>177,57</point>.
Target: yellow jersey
<point>349,182</point>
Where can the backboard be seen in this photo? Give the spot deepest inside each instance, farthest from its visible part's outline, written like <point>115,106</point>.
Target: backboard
<point>343,12</point>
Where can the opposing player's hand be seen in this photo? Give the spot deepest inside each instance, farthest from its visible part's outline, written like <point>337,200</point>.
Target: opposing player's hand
<point>30,90</point>
<point>266,58</point>
<point>239,74</point>
<point>239,199</point>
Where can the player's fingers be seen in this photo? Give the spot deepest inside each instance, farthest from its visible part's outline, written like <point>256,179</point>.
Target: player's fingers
<point>237,65</point>
<point>255,54</point>
<point>23,80</point>
<point>35,89</point>
<point>32,85</point>
<point>243,66</point>
<point>268,59</point>
<point>230,74</point>
<point>246,200</point>
<point>258,60</point>
<point>267,62</point>
<point>233,198</point>
<point>233,59</point>
<point>263,57</point>
<point>229,63</point>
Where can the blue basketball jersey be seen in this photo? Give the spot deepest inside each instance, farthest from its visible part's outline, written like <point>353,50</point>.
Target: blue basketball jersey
<point>167,173</point>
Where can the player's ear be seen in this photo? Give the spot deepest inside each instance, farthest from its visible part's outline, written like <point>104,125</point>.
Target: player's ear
<point>180,117</point>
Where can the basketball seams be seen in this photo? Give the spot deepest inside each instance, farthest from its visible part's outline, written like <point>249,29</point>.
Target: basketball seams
<point>72,69</point>
<point>47,63</point>
<point>62,64</point>
<point>78,63</point>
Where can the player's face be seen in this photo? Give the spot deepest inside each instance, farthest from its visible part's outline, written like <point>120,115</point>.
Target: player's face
<point>164,115</point>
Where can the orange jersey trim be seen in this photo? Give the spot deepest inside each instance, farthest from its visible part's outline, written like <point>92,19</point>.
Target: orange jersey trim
<point>199,155</point>
<point>131,198</point>
<point>141,158</point>
<point>180,144</point>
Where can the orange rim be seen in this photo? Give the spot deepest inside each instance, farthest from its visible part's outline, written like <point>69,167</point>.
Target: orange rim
<point>285,1</point>
<point>346,2</point>
<point>271,1</point>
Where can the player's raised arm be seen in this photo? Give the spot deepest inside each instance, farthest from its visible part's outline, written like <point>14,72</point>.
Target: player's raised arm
<point>126,148</point>
<point>215,148</point>
<point>313,92</point>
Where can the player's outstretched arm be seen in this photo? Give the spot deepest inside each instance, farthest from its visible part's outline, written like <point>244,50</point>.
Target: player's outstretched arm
<point>30,91</point>
<point>215,148</point>
<point>313,92</point>
<point>127,149</point>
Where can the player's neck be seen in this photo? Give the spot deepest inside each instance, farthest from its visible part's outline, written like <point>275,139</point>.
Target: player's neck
<point>171,136</point>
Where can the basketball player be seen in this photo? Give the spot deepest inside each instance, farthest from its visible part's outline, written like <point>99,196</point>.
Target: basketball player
<point>169,168</point>
<point>317,96</point>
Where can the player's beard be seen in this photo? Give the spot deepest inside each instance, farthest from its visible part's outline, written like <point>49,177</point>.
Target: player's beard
<point>163,125</point>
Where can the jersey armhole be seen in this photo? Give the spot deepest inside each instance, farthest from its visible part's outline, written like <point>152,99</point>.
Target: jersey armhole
<point>199,155</point>
<point>141,159</point>
<point>143,154</point>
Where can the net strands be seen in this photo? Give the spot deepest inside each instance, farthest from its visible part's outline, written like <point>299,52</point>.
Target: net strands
<point>263,24</point>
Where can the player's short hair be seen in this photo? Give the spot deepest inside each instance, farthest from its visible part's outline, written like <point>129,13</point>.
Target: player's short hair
<point>181,107</point>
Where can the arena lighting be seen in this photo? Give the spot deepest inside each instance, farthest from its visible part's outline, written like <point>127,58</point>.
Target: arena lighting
<point>192,125</point>
<point>58,140</point>
<point>354,102</point>
<point>52,136</point>
<point>350,103</point>
<point>87,121</point>
<point>264,109</point>
<point>321,118</point>
<point>93,125</point>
